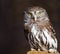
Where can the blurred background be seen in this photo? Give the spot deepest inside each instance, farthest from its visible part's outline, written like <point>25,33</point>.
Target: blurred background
<point>12,39</point>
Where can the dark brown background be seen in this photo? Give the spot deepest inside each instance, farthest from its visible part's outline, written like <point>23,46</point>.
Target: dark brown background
<point>12,39</point>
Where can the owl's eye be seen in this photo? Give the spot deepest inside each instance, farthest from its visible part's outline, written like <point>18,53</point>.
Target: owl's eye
<point>29,15</point>
<point>39,13</point>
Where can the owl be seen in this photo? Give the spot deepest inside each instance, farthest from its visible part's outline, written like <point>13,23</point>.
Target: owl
<point>39,31</point>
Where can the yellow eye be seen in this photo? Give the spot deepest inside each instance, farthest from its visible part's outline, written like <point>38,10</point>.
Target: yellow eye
<point>29,14</point>
<point>39,13</point>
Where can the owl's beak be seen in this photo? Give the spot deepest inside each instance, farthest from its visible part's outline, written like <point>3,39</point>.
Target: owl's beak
<point>35,19</point>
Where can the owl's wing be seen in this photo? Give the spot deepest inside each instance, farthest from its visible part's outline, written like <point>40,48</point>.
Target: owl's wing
<point>52,29</point>
<point>26,33</point>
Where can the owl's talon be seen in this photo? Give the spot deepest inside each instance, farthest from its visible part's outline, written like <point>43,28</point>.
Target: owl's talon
<point>32,49</point>
<point>38,49</point>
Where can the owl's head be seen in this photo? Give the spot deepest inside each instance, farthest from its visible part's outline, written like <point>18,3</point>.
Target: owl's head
<point>35,14</point>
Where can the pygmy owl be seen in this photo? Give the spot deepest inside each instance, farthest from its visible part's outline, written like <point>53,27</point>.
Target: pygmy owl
<point>39,30</point>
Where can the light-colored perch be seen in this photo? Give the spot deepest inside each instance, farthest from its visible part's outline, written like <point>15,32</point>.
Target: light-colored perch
<point>38,52</point>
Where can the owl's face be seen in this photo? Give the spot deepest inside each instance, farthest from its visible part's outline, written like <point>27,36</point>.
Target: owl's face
<point>35,14</point>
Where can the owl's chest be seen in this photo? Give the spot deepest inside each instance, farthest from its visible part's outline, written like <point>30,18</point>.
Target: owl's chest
<point>35,30</point>
<point>42,32</point>
<point>36,33</point>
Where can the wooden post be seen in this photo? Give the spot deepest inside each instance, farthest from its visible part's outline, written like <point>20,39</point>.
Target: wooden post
<point>38,52</point>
